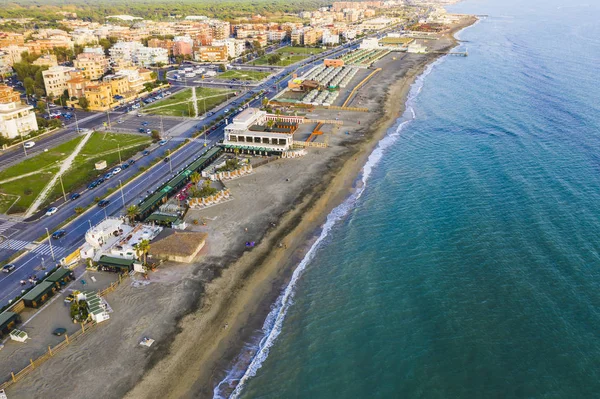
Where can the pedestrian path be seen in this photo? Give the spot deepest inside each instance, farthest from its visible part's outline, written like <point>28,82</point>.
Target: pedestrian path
<point>15,245</point>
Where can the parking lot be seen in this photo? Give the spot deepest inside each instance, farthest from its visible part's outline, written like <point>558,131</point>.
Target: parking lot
<point>131,123</point>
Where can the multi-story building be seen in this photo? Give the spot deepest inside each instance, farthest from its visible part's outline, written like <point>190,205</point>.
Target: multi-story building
<point>55,79</point>
<point>310,37</point>
<point>235,47</point>
<point>48,60</point>
<point>46,45</point>
<point>124,54</point>
<point>11,39</point>
<point>99,96</point>
<point>330,39</point>
<point>76,86</point>
<point>13,53</point>
<point>92,65</point>
<point>183,45</point>
<point>94,50</point>
<point>16,118</point>
<point>166,44</point>
<point>276,35</point>
<point>212,54</point>
<point>84,36</point>
<point>220,30</point>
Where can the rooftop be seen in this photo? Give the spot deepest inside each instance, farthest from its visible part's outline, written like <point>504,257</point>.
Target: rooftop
<point>177,243</point>
<point>38,290</point>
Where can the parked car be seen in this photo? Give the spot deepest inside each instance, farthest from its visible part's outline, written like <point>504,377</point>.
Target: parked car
<point>93,184</point>
<point>29,144</point>
<point>162,142</point>
<point>51,211</point>
<point>8,268</point>
<point>59,234</point>
<point>116,170</point>
<point>59,332</point>
<point>142,130</point>
<point>120,121</point>
<point>101,180</point>
<point>74,196</point>
<point>125,165</point>
<point>69,298</point>
<point>103,203</point>
<point>145,153</point>
<point>148,131</point>
<point>131,161</point>
<point>108,176</point>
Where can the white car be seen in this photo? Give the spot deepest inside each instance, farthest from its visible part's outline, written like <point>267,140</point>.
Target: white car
<point>51,211</point>
<point>29,144</point>
<point>116,170</point>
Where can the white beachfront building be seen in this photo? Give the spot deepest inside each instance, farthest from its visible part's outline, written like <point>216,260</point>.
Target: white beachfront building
<point>238,134</point>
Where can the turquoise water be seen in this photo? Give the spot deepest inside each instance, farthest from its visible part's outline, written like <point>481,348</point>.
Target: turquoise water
<point>469,265</point>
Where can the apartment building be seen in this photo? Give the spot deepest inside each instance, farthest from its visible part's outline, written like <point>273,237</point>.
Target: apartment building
<point>166,44</point>
<point>276,35</point>
<point>220,30</point>
<point>47,45</point>
<point>16,118</point>
<point>48,60</point>
<point>11,39</point>
<point>124,54</point>
<point>92,65</point>
<point>235,47</point>
<point>330,39</point>
<point>55,79</point>
<point>13,53</point>
<point>212,54</point>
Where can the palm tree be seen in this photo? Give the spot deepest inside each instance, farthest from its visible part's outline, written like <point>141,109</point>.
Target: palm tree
<point>132,212</point>
<point>196,177</point>
<point>142,248</point>
<point>270,123</point>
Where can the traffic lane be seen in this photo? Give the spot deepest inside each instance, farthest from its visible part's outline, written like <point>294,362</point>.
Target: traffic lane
<point>11,284</point>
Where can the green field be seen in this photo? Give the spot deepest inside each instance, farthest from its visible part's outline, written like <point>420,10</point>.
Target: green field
<point>243,75</point>
<point>101,146</point>
<point>299,50</point>
<point>27,188</point>
<point>180,104</point>
<point>285,60</point>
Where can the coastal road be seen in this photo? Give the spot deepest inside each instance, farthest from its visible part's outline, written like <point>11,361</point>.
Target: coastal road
<point>21,235</point>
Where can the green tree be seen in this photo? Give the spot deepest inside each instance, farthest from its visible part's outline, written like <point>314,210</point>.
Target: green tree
<point>29,85</point>
<point>195,178</point>
<point>41,106</point>
<point>141,249</point>
<point>84,103</point>
<point>132,212</point>
<point>79,210</point>
<point>155,135</point>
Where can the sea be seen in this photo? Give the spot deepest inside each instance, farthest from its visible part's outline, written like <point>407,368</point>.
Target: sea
<point>467,263</point>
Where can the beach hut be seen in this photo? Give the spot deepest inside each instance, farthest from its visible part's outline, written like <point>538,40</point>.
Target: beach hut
<point>113,264</point>
<point>60,277</point>
<point>39,294</point>
<point>178,246</point>
<point>8,321</point>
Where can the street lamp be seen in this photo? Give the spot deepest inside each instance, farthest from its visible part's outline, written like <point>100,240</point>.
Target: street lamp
<point>50,242</point>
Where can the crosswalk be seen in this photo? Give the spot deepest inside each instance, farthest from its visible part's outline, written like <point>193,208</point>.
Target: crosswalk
<point>42,249</point>
<point>15,245</point>
<point>5,226</point>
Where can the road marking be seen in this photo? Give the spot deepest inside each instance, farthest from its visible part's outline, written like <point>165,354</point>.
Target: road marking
<point>44,249</point>
<point>13,244</point>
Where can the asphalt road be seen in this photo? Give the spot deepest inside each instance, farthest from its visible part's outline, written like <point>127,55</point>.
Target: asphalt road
<point>20,235</point>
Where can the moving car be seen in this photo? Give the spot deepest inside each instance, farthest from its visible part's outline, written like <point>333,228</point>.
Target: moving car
<point>51,211</point>
<point>93,184</point>
<point>108,176</point>
<point>59,234</point>
<point>103,203</point>
<point>74,196</point>
<point>167,159</point>
<point>131,161</point>
<point>145,153</point>
<point>8,268</point>
<point>162,142</point>
<point>29,144</point>
<point>142,130</point>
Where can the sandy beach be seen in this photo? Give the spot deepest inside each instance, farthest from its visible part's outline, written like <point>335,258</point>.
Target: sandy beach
<point>202,315</point>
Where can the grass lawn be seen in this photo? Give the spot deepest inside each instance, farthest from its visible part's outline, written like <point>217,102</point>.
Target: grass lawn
<point>299,50</point>
<point>27,188</point>
<point>101,146</point>
<point>286,60</point>
<point>180,103</point>
<point>243,75</point>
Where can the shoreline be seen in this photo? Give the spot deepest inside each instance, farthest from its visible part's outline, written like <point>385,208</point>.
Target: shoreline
<point>269,269</point>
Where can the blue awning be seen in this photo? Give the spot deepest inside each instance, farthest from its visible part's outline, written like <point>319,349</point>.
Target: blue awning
<point>118,97</point>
